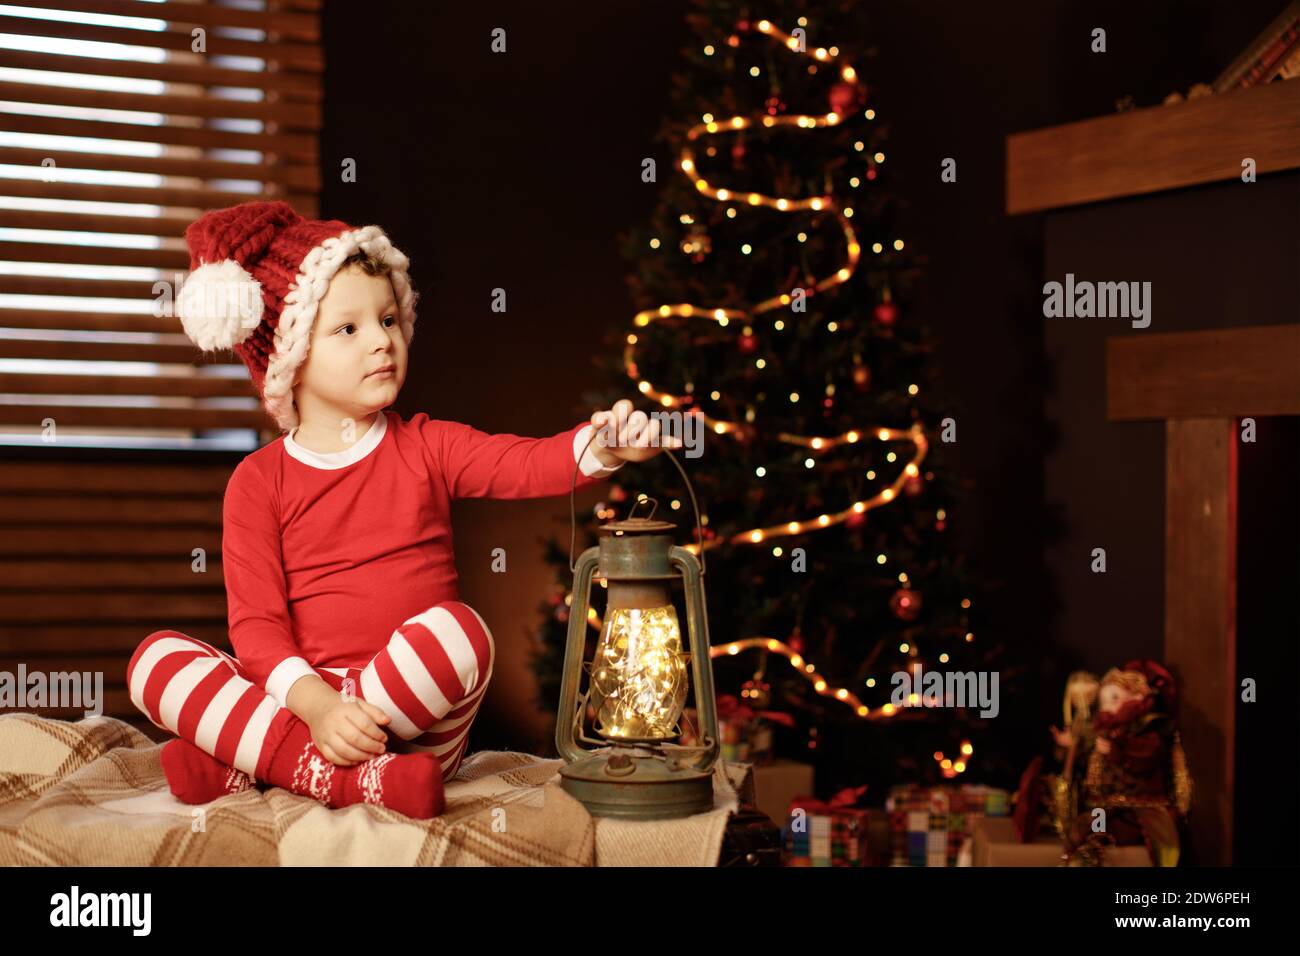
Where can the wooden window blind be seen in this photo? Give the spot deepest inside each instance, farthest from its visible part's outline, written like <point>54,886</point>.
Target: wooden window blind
<point>121,121</point>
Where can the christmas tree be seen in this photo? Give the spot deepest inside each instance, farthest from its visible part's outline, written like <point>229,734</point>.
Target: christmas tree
<point>772,287</point>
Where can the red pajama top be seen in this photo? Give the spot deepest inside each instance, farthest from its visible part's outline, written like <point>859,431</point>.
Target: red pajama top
<point>325,555</point>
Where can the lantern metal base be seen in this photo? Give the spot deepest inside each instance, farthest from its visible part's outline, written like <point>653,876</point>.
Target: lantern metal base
<point>637,787</point>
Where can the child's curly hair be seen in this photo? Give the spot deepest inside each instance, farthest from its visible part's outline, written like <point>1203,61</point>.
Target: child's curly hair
<point>368,263</point>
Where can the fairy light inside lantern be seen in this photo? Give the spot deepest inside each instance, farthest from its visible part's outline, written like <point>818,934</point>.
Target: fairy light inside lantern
<point>639,681</point>
<point>638,676</point>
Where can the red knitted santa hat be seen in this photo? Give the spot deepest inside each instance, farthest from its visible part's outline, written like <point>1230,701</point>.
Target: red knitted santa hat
<point>258,273</point>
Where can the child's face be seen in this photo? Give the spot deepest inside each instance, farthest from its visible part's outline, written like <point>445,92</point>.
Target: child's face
<point>357,331</point>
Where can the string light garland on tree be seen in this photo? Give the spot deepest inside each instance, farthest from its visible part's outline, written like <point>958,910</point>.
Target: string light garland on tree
<point>847,93</point>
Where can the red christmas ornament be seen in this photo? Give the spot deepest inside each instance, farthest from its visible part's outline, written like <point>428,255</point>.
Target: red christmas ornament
<point>871,172</point>
<point>796,643</point>
<point>856,520</point>
<point>861,377</point>
<point>616,493</point>
<point>913,485</point>
<point>774,105</point>
<point>846,97</point>
<point>738,152</point>
<point>906,604</point>
<point>886,314</point>
<point>748,344</point>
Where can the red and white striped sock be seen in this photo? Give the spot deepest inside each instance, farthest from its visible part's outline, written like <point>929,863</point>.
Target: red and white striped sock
<point>411,784</point>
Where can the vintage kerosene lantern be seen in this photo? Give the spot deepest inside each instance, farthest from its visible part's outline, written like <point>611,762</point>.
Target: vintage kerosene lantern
<point>638,676</point>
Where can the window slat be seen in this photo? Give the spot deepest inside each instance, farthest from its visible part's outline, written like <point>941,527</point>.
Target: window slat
<point>71,510</point>
<point>302,116</point>
<point>86,321</point>
<point>304,179</point>
<point>296,147</point>
<point>139,289</point>
<point>186,481</point>
<point>162,352</point>
<point>93,222</point>
<point>160,606</point>
<point>301,56</point>
<point>148,195</point>
<point>142,573</point>
<point>303,26</point>
<point>25,642</point>
<point>167,260</point>
<point>131,417</point>
<point>303,86</point>
<point>172,386</point>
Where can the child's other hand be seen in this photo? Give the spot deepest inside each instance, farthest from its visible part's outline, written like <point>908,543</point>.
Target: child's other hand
<point>349,731</point>
<point>636,436</point>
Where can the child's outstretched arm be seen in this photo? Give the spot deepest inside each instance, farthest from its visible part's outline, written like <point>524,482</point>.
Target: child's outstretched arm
<point>476,464</point>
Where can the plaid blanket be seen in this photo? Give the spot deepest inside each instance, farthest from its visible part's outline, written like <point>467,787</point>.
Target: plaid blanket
<point>92,793</point>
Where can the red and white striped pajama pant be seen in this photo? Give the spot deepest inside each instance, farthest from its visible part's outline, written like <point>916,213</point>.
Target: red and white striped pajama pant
<point>429,678</point>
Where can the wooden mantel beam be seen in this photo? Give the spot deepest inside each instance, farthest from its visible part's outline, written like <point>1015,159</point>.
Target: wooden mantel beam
<point>1222,373</point>
<point>1158,147</point>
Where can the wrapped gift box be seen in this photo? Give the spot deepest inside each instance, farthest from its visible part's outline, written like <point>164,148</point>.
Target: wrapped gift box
<point>932,825</point>
<point>826,833</point>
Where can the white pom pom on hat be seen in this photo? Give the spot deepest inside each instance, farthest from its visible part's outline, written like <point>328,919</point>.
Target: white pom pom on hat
<point>219,304</point>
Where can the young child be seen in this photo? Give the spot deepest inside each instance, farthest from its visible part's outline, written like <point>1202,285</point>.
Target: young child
<point>336,546</point>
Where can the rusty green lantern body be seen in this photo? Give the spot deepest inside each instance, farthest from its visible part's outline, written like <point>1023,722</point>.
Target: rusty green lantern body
<point>638,680</point>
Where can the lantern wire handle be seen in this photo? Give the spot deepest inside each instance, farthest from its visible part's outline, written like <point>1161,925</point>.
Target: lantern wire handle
<point>573,513</point>
<point>654,506</point>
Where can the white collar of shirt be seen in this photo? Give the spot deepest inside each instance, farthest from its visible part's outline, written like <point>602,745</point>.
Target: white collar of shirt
<point>339,459</point>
